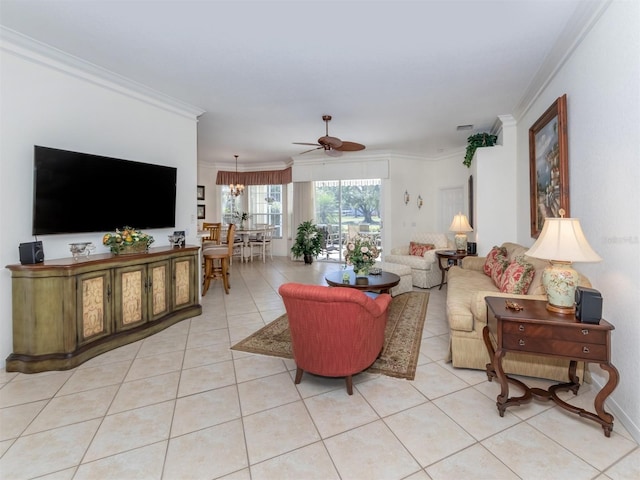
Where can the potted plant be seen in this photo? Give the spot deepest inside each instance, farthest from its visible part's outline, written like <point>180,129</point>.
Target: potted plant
<point>308,242</point>
<point>476,141</point>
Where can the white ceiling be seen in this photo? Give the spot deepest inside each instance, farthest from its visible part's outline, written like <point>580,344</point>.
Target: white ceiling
<point>397,76</point>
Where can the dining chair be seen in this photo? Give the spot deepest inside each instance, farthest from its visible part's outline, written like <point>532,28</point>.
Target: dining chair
<point>217,259</point>
<point>262,242</point>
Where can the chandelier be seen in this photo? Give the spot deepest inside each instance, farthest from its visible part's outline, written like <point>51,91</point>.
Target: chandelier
<point>237,189</point>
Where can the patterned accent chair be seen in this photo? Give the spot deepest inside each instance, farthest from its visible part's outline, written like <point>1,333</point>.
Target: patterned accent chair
<point>425,272</point>
<point>335,331</point>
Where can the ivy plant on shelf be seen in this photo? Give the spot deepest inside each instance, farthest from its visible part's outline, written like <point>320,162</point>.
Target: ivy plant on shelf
<point>474,142</point>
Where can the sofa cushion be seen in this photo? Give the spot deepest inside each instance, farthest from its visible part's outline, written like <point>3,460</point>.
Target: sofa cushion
<point>517,277</point>
<point>462,286</point>
<point>491,259</point>
<point>418,249</point>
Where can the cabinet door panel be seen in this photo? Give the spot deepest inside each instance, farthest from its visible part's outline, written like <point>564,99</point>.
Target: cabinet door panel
<point>159,289</point>
<point>130,296</point>
<point>94,306</point>
<point>184,282</point>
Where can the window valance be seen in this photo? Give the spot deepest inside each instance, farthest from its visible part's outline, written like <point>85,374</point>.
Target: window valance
<point>265,177</point>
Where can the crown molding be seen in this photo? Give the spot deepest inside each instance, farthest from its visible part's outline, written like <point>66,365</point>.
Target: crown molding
<point>584,18</point>
<point>48,56</point>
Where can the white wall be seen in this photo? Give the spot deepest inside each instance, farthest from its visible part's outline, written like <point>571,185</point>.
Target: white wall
<point>495,190</point>
<point>47,103</point>
<point>601,80</point>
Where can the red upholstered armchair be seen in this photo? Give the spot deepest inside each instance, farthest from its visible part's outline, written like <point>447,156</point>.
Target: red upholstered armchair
<point>335,331</point>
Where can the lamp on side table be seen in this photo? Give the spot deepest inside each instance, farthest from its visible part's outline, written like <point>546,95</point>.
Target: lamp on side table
<point>460,226</point>
<point>562,242</point>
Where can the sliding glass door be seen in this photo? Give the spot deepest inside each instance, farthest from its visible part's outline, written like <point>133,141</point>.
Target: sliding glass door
<point>344,208</point>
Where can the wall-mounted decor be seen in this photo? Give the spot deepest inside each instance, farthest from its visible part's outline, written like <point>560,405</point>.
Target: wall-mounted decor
<point>200,192</point>
<point>406,197</point>
<point>549,165</point>
<point>200,212</point>
<point>419,201</point>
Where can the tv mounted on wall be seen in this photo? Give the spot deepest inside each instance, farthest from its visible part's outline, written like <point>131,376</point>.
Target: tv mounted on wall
<point>81,193</point>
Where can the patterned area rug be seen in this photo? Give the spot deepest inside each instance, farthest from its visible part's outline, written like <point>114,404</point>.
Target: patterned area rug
<point>402,337</point>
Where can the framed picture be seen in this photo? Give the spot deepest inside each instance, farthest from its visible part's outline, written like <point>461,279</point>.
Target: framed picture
<point>549,165</point>
<point>200,192</point>
<point>201,212</point>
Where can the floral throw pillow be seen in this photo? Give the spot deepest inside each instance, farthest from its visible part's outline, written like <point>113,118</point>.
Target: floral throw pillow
<point>498,267</point>
<point>418,249</point>
<point>489,263</point>
<point>517,277</point>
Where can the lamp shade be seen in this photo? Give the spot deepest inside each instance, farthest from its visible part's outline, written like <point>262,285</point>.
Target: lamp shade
<point>562,239</point>
<point>460,224</point>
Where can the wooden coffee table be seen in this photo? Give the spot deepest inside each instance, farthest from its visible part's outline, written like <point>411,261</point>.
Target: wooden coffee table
<point>382,283</point>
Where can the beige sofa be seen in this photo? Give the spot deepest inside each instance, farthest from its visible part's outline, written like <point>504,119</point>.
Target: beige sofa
<point>425,272</point>
<point>467,287</point>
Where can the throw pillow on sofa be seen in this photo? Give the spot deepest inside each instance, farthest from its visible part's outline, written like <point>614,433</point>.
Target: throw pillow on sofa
<point>517,277</point>
<point>418,249</point>
<point>498,268</point>
<point>491,260</point>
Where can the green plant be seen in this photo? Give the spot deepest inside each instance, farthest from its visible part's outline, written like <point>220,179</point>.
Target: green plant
<point>476,141</point>
<point>308,240</point>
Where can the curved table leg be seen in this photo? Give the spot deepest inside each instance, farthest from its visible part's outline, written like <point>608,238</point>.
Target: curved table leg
<point>606,419</point>
<point>491,371</point>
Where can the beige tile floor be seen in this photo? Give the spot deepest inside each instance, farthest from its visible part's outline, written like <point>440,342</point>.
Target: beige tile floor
<point>181,405</point>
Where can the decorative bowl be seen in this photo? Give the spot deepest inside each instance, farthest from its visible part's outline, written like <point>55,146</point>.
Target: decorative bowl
<point>81,248</point>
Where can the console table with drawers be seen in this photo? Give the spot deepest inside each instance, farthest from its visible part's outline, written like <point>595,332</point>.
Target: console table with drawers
<point>527,326</point>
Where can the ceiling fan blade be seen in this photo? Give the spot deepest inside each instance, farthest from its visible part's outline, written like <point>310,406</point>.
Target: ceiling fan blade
<point>302,143</point>
<point>350,147</point>
<point>313,149</point>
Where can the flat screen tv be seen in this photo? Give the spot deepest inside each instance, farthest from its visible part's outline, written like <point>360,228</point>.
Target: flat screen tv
<point>81,193</point>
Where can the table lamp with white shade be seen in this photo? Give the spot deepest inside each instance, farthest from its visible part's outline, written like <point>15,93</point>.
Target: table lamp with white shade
<point>562,242</point>
<point>460,226</point>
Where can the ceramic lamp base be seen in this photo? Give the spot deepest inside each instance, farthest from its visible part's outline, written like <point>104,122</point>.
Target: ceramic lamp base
<point>461,242</point>
<point>560,281</point>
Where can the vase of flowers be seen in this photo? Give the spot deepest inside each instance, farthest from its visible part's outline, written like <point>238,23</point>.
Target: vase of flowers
<point>361,252</point>
<point>241,219</point>
<point>127,240</point>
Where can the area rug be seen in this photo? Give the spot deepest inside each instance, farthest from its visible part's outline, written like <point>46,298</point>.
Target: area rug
<point>402,337</point>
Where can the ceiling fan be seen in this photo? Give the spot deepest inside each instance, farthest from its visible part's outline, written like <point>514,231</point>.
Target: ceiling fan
<point>332,146</point>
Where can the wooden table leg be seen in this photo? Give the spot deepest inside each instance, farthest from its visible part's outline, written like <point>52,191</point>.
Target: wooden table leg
<point>606,419</point>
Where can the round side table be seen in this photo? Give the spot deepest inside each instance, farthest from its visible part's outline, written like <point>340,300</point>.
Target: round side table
<point>452,257</point>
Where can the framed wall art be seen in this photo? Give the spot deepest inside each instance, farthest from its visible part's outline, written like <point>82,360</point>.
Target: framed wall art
<point>200,192</point>
<point>549,165</point>
<point>201,212</point>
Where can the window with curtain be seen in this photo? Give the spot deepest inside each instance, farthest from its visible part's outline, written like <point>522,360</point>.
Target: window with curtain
<point>265,206</point>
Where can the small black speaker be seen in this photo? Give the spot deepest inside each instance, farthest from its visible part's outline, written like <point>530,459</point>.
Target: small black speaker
<point>588,305</point>
<point>31,252</point>
<point>471,248</point>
